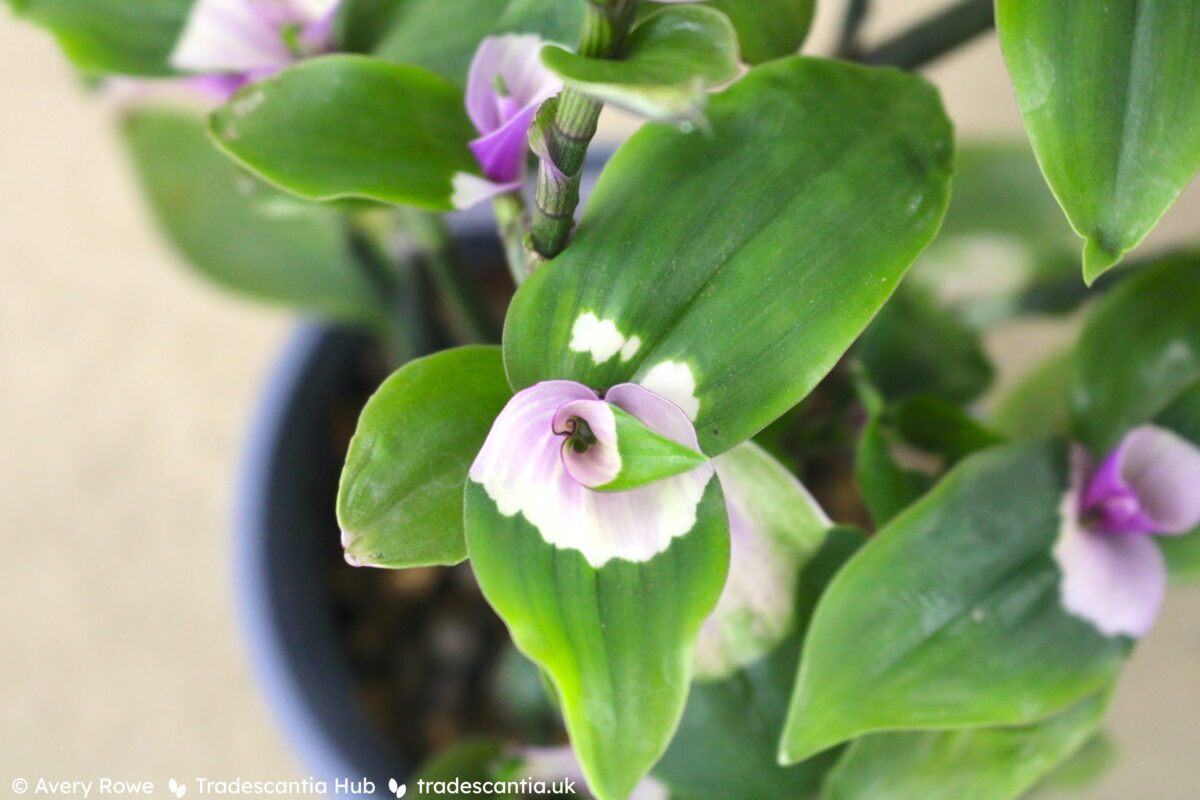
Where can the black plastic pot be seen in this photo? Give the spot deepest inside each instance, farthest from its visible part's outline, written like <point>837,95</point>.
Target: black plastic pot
<point>287,537</point>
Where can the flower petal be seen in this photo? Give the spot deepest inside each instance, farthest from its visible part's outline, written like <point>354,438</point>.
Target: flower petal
<point>521,469</point>
<point>501,153</point>
<point>468,190</point>
<point>601,462</point>
<point>1163,470</point>
<point>516,60</point>
<point>230,36</point>
<point>1113,581</point>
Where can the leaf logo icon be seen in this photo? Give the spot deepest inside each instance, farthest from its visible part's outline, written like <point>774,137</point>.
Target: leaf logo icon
<point>177,789</point>
<point>398,789</point>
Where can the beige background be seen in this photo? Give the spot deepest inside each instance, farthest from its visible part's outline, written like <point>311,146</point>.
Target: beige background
<point>125,386</point>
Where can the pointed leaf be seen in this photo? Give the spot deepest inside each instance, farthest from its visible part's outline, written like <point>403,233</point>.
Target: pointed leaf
<point>953,615</point>
<point>646,456</point>
<point>616,640</point>
<point>351,126</point>
<point>744,270</point>
<point>1139,348</point>
<point>226,225</point>
<point>976,763</point>
<point>725,746</point>
<point>1108,98</point>
<point>670,61</point>
<point>400,498</point>
<point>768,29</point>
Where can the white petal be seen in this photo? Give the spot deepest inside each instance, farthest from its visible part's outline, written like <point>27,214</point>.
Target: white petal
<point>521,470</point>
<point>1114,581</point>
<point>1163,469</point>
<point>229,36</point>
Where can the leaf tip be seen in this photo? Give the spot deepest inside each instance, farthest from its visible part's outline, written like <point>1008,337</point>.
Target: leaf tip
<point>1098,258</point>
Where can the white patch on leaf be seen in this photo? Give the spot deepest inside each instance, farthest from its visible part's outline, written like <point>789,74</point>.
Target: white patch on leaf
<point>601,338</point>
<point>674,380</point>
<point>631,347</point>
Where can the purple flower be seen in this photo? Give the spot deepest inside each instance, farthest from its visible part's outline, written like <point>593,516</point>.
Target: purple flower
<point>245,40</point>
<point>1113,573</point>
<point>557,441</point>
<point>506,85</point>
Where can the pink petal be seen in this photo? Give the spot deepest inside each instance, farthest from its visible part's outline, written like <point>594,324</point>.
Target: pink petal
<point>501,153</point>
<point>516,59</point>
<point>229,36</point>
<point>1163,469</point>
<point>601,463</point>
<point>1115,582</point>
<point>521,469</point>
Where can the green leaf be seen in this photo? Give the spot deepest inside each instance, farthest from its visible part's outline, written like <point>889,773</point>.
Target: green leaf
<point>725,746</point>
<point>616,639</point>
<point>400,498</point>
<point>670,61</point>
<point>1139,348</point>
<point>916,346</point>
<point>887,487</point>
<point>395,133</point>
<point>776,527</point>
<point>437,35</point>
<point>1108,98</point>
<point>976,763</point>
<point>951,616</point>
<point>442,36</point>
<point>646,456</point>
<point>1040,402</point>
<point>941,428</point>
<point>127,37</point>
<point>225,224</point>
<point>744,270</point>
<point>1004,248</point>
<point>465,762</point>
<point>768,29</point>
<point>1081,771</point>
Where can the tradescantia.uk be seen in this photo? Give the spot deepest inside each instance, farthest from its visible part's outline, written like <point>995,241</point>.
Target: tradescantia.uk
<point>761,311</point>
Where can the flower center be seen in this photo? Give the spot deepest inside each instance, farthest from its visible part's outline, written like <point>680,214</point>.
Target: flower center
<point>578,433</point>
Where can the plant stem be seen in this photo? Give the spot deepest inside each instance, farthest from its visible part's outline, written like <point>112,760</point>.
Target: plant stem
<point>404,334</point>
<point>469,317</point>
<point>856,14</point>
<point>512,220</point>
<point>935,36</point>
<point>605,25</point>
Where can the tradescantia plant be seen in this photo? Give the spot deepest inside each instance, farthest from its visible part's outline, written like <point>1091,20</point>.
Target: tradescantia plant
<point>731,316</point>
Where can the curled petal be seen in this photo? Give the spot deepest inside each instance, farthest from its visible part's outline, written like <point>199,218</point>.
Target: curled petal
<point>1149,484</point>
<point>521,468</point>
<point>1114,582</point>
<point>600,463</point>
